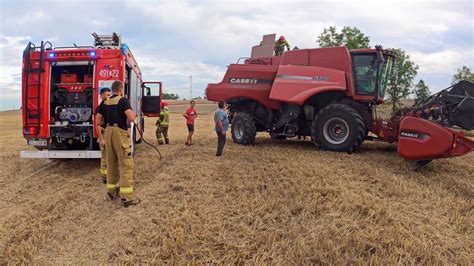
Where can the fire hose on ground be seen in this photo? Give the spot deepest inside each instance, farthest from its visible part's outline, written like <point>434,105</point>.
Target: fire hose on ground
<point>134,126</point>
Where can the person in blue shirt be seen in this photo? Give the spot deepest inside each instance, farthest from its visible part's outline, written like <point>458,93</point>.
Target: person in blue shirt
<point>222,125</point>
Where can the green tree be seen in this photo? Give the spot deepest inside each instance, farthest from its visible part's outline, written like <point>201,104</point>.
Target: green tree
<point>464,73</point>
<point>421,91</point>
<point>351,37</point>
<point>403,72</point>
<point>170,96</point>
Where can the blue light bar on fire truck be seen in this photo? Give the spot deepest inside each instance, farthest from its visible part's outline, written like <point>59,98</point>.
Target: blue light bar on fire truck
<point>124,48</point>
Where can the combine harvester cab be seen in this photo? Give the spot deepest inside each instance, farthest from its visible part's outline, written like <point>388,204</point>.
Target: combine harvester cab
<point>61,91</point>
<point>331,95</point>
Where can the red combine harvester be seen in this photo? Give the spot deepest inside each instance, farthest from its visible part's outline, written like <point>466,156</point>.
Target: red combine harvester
<point>331,94</point>
<point>60,92</point>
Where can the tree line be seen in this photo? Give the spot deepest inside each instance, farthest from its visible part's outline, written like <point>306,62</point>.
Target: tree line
<point>170,96</point>
<point>401,82</point>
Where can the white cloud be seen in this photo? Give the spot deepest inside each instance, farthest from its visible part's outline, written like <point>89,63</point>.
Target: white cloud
<point>179,72</point>
<point>445,61</point>
<point>10,68</point>
<point>175,39</point>
<point>169,67</point>
<point>224,25</point>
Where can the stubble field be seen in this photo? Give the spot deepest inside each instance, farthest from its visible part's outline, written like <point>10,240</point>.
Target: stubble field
<point>281,202</point>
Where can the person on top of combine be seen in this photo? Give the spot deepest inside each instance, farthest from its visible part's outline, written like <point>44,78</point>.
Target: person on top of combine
<point>104,94</point>
<point>280,46</point>
<point>190,114</point>
<point>162,124</point>
<point>113,114</point>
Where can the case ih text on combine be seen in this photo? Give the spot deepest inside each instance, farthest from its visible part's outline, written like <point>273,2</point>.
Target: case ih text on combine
<point>331,94</point>
<point>60,91</point>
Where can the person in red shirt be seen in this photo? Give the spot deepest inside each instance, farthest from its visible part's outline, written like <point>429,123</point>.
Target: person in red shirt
<point>190,114</point>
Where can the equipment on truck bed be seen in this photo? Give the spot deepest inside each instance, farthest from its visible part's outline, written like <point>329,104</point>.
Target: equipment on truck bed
<point>61,91</point>
<point>331,94</point>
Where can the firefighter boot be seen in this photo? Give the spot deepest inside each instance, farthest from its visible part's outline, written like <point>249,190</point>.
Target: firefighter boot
<point>113,194</point>
<point>129,202</point>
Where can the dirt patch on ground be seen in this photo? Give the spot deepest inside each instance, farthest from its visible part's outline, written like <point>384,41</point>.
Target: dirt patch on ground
<point>281,202</point>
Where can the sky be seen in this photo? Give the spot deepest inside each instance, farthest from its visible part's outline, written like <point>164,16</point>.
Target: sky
<point>172,40</point>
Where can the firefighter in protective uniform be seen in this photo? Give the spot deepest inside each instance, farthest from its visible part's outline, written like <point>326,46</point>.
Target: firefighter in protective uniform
<point>113,114</point>
<point>280,45</point>
<point>104,94</point>
<point>162,124</point>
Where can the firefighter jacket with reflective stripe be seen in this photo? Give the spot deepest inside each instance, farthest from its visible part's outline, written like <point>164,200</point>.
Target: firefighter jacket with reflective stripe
<point>164,118</point>
<point>281,45</point>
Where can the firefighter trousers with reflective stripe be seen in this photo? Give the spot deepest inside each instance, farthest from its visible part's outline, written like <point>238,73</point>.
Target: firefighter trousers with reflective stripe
<point>162,132</point>
<point>103,159</point>
<point>119,161</point>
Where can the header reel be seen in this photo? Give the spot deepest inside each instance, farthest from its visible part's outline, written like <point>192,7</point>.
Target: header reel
<point>453,106</point>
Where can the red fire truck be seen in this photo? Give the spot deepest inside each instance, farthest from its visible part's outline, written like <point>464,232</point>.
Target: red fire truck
<point>61,90</point>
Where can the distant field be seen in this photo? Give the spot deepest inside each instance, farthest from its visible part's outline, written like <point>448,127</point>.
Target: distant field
<point>275,202</point>
<point>202,106</point>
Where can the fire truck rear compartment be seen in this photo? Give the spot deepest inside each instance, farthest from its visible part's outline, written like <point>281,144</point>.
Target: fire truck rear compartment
<point>71,107</point>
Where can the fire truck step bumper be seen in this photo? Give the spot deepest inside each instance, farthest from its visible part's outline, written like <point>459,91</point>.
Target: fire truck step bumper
<point>61,154</point>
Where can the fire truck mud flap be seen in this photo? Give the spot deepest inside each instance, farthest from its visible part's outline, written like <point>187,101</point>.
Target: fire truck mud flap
<point>61,154</point>
<point>421,140</point>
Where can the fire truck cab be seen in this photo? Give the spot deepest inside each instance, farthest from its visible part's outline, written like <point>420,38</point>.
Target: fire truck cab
<point>61,91</point>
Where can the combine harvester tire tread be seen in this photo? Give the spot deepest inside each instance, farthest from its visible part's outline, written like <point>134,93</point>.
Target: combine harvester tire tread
<point>336,118</point>
<point>243,129</point>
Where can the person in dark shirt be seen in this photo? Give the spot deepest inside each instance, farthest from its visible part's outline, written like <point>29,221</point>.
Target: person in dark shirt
<point>113,114</point>
<point>222,125</point>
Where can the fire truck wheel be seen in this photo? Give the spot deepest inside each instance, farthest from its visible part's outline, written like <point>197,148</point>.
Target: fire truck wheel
<point>243,129</point>
<point>338,127</point>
